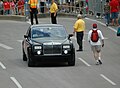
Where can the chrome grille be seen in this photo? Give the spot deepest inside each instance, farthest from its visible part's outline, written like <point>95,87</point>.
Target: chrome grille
<point>52,50</point>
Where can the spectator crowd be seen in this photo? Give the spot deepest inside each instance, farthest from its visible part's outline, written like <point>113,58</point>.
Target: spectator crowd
<point>111,11</point>
<point>13,7</point>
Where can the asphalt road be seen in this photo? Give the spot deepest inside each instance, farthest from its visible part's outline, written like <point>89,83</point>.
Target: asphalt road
<point>14,73</point>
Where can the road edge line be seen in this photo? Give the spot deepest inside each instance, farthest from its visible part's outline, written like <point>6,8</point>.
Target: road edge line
<point>84,62</point>
<point>102,24</point>
<point>16,82</point>
<point>107,79</point>
<point>2,65</point>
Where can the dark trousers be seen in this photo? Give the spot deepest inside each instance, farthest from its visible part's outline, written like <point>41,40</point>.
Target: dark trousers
<point>42,7</point>
<point>34,12</point>
<point>107,17</point>
<point>79,36</point>
<point>53,18</point>
<point>1,12</point>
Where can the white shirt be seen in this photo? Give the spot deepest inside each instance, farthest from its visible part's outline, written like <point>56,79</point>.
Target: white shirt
<point>100,38</point>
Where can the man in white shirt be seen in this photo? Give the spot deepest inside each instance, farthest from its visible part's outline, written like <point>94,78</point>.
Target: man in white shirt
<point>96,46</point>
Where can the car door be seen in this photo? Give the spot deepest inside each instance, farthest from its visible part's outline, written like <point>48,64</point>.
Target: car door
<point>27,41</point>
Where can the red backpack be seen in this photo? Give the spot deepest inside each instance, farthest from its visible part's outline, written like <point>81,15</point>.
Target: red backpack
<point>94,36</point>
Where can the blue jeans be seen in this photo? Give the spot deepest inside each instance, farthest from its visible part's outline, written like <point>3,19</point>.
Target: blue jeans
<point>107,17</point>
<point>114,15</point>
<point>7,12</point>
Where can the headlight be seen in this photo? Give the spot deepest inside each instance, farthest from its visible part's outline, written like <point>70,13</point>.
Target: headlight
<point>38,52</point>
<point>65,52</point>
<point>66,47</point>
<point>37,47</point>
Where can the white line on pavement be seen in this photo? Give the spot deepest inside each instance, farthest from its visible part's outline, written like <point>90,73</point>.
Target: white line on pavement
<point>102,24</point>
<point>107,79</point>
<point>5,46</point>
<point>28,22</point>
<point>84,62</point>
<point>2,65</point>
<point>112,29</point>
<point>16,82</point>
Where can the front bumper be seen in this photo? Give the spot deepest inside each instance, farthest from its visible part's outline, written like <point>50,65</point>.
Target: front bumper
<point>52,58</point>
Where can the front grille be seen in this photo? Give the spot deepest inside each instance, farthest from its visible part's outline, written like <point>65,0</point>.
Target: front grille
<point>52,50</point>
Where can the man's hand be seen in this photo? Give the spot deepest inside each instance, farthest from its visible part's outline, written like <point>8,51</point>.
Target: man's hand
<point>103,45</point>
<point>54,14</point>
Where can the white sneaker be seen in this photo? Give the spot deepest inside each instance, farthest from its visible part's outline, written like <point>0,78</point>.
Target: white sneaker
<point>97,63</point>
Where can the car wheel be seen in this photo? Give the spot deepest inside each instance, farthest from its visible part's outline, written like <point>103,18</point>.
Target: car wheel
<point>24,56</point>
<point>30,63</point>
<point>71,62</point>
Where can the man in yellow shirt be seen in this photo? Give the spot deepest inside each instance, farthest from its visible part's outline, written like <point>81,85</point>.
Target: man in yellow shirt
<point>53,12</point>
<point>79,28</point>
<point>33,10</point>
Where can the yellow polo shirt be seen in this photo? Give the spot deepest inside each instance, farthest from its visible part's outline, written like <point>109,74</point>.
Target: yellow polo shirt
<point>79,25</point>
<point>53,8</point>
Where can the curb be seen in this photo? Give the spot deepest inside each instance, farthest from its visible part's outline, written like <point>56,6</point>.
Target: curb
<point>23,18</point>
<point>12,17</point>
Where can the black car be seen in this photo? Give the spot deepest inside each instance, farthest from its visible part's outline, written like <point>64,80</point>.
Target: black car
<point>48,42</point>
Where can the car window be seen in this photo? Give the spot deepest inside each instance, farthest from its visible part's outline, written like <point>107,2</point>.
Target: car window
<point>49,32</point>
<point>28,33</point>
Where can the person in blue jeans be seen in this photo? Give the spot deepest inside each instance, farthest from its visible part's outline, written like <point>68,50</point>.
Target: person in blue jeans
<point>107,12</point>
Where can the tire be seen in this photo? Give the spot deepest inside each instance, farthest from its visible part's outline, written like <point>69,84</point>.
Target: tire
<point>31,63</point>
<point>71,62</point>
<point>24,56</point>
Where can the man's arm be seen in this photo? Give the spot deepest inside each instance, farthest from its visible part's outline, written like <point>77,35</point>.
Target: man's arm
<point>102,42</point>
<point>102,38</point>
<point>56,9</point>
<point>74,31</point>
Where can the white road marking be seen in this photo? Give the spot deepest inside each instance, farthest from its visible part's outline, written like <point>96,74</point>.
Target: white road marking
<point>112,29</point>
<point>2,65</point>
<point>5,46</point>
<point>28,22</point>
<point>102,24</point>
<point>16,82</point>
<point>107,79</point>
<point>84,62</point>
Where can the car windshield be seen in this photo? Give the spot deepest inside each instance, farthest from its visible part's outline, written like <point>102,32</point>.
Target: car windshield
<point>49,32</point>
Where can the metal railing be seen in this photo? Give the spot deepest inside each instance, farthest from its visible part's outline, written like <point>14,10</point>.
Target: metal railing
<point>96,6</point>
<point>63,8</point>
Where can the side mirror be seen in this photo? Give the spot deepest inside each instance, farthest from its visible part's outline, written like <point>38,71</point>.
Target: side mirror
<point>25,36</point>
<point>70,35</point>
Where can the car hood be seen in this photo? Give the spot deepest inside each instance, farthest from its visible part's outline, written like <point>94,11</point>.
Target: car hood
<point>50,42</point>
